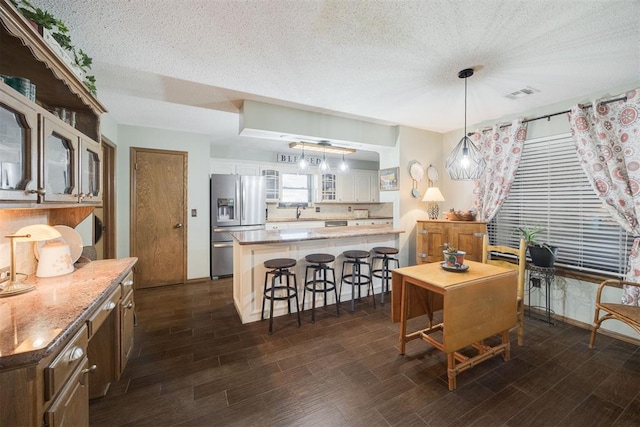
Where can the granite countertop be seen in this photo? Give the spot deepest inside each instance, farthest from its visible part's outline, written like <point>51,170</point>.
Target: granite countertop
<point>301,234</point>
<point>340,218</point>
<point>34,324</point>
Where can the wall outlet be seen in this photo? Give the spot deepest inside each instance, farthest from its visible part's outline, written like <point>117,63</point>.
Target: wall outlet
<point>317,208</point>
<point>349,209</point>
<point>194,212</point>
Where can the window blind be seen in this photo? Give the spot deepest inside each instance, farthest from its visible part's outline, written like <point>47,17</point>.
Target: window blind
<point>552,191</point>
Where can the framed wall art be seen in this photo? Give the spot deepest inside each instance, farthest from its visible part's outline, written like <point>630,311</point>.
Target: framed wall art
<point>389,179</point>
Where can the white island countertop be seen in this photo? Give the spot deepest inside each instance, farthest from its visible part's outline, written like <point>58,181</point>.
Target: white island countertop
<point>302,234</point>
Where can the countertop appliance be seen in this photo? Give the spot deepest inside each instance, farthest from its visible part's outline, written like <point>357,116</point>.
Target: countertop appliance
<point>238,203</point>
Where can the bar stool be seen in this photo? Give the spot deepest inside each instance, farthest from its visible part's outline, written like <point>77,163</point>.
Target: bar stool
<point>385,255</point>
<point>279,268</point>
<point>357,277</point>
<point>319,263</point>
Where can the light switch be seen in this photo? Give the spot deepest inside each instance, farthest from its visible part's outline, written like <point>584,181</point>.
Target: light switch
<point>194,212</point>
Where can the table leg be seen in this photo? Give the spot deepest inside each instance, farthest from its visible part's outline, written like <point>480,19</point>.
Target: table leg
<point>403,315</point>
<point>451,370</point>
<point>507,350</point>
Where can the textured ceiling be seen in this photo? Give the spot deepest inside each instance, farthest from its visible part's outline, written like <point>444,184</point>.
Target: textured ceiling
<point>187,64</point>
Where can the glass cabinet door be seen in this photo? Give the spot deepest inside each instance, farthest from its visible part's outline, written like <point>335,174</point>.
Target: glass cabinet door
<point>90,171</point>
<point>60,163</point>
<point>328,186</point>
<point>18,150</point>
<point>272,182</point>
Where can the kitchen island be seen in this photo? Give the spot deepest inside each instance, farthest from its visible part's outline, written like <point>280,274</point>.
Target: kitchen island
<point>252,248</point>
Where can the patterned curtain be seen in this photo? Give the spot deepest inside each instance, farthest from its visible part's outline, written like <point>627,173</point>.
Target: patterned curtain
<point>607,140</point>
<point>501,149</point>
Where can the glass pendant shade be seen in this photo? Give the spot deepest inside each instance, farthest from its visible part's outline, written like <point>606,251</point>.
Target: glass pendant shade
<point>343,165</point>
<point>302,163</point>
<point>465,161</point>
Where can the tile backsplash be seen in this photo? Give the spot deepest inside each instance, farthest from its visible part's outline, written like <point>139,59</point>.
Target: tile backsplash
<point>330,211</point>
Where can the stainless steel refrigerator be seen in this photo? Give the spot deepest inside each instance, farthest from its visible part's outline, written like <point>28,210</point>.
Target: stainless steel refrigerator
<point>238,203</point>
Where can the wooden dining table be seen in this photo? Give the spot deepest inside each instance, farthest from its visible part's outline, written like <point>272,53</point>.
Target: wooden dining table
<point>476,304</point>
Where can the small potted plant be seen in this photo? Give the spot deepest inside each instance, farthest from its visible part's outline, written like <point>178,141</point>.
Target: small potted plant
<point>453,258</point>
<point>542,254</point>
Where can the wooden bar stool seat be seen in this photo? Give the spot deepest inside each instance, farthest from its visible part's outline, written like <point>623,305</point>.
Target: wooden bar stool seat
<point>357,277</point>
<point>279,268</point>
<point>319,265</point>
<point>385,255</point>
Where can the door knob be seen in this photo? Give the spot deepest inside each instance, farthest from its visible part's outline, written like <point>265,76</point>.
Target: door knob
<point>179,225</point>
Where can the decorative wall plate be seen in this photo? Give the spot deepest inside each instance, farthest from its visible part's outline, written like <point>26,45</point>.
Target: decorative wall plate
<point>432,174</point>
<point>416,171</point>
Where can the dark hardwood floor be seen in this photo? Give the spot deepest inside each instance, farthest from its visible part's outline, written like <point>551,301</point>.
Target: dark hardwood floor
<point>195,364</point>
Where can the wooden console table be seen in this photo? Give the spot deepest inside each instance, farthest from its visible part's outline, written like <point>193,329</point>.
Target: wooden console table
<point>476,304</point>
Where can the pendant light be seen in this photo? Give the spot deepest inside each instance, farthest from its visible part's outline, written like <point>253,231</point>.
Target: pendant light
<point>343,165</point>
<point>324,166</point>
<point>465,161</point>
<point>302,163</point>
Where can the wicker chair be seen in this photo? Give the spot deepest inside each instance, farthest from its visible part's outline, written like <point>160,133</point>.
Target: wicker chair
<point>629,314</point>
<point>520,265</point>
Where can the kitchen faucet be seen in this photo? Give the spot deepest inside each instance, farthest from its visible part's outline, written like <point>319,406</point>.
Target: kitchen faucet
<point>298,211</point>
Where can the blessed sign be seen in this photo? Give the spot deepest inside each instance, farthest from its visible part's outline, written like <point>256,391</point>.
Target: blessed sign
<point>295,158</point>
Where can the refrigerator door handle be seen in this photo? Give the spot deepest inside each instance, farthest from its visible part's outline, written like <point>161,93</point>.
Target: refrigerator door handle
<point>244,199</point>
<point>223,245</point>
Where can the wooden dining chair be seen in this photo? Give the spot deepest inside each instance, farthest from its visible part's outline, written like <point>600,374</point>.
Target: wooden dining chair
<point>491,255</point>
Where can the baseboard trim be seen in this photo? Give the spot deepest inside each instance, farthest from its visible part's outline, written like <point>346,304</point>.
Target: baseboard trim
<point>197,280</point>
<point>588,326</point>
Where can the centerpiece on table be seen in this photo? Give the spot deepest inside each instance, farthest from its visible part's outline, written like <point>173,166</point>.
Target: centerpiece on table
<point>453,258</point>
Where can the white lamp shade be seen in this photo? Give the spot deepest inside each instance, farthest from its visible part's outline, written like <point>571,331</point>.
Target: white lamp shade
<point>35,233</point>
<point>433,194</point>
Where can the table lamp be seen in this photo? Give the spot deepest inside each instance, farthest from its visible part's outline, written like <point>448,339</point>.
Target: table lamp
<point>433,195</point>
<point>30,233</point>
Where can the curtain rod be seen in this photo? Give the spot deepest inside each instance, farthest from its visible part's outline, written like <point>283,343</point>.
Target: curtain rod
<point>548,116</point>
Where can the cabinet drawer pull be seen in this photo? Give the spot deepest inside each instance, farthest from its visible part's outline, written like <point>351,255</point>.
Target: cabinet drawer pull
<point>422,255</point>
<point>76,354</point>
<point>130,305</point>
<point>90,369</point>
<point>128,282</point>
<point>478,235</point>
<point>110,306</point>
<point>422,232</point>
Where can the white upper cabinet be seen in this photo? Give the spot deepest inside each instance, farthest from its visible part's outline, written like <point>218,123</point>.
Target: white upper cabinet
<point>357,187</point>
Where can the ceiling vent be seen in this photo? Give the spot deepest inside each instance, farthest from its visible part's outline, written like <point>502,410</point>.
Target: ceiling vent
<point>522,93</point>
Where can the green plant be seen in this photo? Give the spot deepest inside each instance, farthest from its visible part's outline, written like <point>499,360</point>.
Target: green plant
<point>60,33</point>
<point>530,235</point>
<point>449,249</point>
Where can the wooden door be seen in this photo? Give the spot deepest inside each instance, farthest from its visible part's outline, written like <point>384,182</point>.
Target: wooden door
<point>158,216</point>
